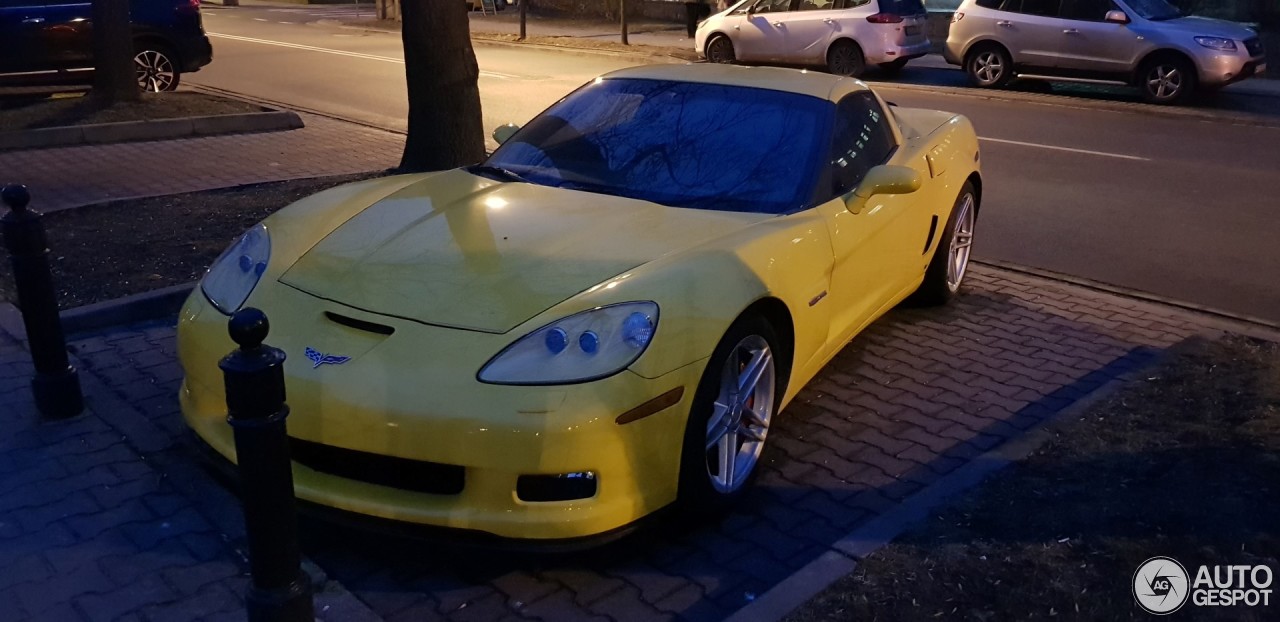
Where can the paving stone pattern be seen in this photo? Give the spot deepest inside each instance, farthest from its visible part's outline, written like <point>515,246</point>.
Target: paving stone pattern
<point>108,514</point>
<point>65,177</point>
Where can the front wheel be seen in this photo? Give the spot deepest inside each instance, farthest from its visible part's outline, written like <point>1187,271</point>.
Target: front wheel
<point>720,50</point>
<point>156,68</point>
<point>950,263</point>
<point>729,420</point>
<point>1167,81</point>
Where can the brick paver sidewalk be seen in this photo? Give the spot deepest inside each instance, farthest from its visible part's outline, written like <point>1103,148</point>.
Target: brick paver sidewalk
<point>66,177</point>
<point>108,514</point>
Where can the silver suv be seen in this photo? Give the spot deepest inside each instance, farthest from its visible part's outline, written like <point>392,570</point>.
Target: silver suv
<point>1145,43</point>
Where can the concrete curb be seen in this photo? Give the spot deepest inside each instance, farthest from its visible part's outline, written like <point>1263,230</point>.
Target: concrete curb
<point>150,305</point>
<point>842,558</point>
<point>1068,101</point>
<point>160,129</point>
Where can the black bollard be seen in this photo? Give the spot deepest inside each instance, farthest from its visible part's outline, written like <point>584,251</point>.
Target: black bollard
<point>56,384</point>
<point>256,409</point>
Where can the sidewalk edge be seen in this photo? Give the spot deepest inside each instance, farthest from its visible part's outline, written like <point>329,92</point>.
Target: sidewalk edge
<point>159,129</point>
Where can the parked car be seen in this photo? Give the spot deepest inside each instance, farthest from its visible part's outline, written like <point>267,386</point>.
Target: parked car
<point>50,42</point>
<point>1149,44</point>
<point>603,318</point>
<point>842,35</point>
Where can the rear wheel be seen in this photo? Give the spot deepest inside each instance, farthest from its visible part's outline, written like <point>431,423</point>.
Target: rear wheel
<point>1167,80</point>
<point>950,263</point>
<point>729,420</point>
<point>845,59</point>
<point>989,66</point>
<point>156,67</point>
<point>720,50</point>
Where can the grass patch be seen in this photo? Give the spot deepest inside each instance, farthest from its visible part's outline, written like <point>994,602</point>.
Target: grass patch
<point>1183,462</point>
<point>27,114</point>
<point>119,248</point>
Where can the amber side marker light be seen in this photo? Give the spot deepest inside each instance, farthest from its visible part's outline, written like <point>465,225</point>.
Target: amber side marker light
<point>653,406</point>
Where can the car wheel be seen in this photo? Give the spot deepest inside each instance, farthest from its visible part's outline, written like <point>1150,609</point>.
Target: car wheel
<point>894,68</point>
<point>950,263</point>
<point>736,402</point>
<point>156,68</point>
<point>845,59</point>
<point>1167,81</point>
<point>720,50</point>
<point>989,67</point>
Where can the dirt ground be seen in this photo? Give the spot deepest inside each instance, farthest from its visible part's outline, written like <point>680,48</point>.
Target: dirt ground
<point>127,247</point>
<point>1183,462</point>
<point>18,113</point>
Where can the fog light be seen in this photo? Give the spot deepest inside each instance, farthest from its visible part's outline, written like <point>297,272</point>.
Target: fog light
<point>561,487</point>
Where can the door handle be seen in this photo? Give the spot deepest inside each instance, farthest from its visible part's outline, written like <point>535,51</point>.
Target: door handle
<point>778,24</point>
<point>1070,31</point>
<point>33,20</point>
<point>828,20</point>
<point>1004,23</point>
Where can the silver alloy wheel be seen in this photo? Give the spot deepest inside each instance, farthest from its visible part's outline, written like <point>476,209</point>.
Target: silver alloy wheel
<point>741,414</point>
<point>154,70</point>
<point>1164,81</point>
<point>720,50</point>
<point>961,243</point>
<point>988,67</point>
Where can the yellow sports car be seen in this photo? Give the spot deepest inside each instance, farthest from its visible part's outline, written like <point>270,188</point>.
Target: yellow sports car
<point>604,317</point>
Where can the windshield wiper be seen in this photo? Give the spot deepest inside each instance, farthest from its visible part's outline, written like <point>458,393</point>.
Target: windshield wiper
<point>497,171</point>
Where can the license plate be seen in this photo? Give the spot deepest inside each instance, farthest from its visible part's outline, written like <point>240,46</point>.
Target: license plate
<point>911,31</point>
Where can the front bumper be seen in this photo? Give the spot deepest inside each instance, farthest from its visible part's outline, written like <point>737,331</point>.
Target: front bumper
<point>1223,69</point>
<point>396,398</point>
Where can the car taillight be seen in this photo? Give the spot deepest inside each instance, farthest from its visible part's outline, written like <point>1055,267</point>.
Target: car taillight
<point>884,18</point>
<point>190,6</point>
<point>957,16</point>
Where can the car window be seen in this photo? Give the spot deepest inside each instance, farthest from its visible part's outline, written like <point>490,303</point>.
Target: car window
<point>1046,8</point>
<point>683,144</point>
<point>1086,10</point>
<point>773,6</point>
<point>989,4</point>
<point>861,139</point>
<point>902,7</point>
<point>815,5</point>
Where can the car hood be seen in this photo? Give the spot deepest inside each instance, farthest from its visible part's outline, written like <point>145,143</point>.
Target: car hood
<point>466,252</point>
<point>1208,27</point>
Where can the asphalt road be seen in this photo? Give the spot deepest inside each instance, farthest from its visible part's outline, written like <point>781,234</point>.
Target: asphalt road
<point>1181,208</point>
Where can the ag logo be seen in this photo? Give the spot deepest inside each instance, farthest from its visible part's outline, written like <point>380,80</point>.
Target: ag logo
<point>1161,585</point>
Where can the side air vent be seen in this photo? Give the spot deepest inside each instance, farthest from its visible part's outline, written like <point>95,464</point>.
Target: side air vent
<point>933,228</point>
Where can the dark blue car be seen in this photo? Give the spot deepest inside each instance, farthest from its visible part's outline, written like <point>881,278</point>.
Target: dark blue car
<point>51,42</point>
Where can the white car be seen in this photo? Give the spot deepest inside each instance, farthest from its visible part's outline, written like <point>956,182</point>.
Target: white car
<point>843,35</point>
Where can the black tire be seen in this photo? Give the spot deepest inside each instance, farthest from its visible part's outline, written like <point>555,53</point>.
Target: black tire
<point>844,58</point>
<point>938,288</point>
<point>698,494</point>
<point>1167,80</point>
<point>720,50</point>
<point>156,66</point>
<point>989,66</point>
<point>894,68</point>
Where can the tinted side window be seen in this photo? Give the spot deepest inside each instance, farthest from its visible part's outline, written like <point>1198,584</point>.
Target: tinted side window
<point>1047,8</point>
<point>1087,10</point>
<point>861,139</point>
<point>989,4</point>
<point>773,6</point>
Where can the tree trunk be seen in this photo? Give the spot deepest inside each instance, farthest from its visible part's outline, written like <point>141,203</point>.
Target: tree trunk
<point>114,78</point>
<point>446,129</point>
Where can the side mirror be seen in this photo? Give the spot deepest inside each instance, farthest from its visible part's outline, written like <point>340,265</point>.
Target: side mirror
<point>1116,17</point>
<point>503,133</point>
<point>883,179</point>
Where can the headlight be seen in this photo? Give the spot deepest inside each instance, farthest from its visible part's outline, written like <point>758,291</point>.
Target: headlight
<point>1217,43</point>
<point>584,346</point>
<point>233,275</point>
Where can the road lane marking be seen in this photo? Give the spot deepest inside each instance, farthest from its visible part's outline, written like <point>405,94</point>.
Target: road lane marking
<point>312,48</point>
<point>1069,149</point>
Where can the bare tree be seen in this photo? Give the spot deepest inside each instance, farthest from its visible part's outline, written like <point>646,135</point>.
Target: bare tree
<point>114,78</point>
<point>445,125</point>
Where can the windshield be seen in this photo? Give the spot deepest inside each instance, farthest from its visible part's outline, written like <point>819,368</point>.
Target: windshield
<point>1154,10</point>
<point>684,144</point>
